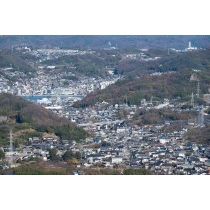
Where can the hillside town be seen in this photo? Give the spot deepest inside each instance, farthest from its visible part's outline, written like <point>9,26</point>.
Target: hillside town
<point>116,141</point>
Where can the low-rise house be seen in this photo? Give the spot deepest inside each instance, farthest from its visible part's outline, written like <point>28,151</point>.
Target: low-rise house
<point>182,154</point>
<point>116,160</point>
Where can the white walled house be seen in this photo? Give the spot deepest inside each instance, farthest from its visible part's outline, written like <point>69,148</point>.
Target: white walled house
<point>117,159</point>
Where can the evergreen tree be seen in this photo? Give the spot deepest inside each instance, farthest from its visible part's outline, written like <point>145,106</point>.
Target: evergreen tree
<point>2,154</point>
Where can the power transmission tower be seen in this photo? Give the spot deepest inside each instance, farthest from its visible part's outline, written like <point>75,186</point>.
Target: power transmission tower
<point>10,142</point>
<point>11,145</point>
<point>192,100</point>
<point>198,88</point>
<point>151,100</point>
<point>200,116</point>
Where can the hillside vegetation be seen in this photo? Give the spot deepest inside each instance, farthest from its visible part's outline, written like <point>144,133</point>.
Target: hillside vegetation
<point>33,119</point>
<point>174,61</point>
<point>199,135</point>
<point>176,85</point>
<point>15,61</point>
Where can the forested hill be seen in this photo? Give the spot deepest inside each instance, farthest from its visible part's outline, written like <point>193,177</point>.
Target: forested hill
<point>102,41</point>
<point>26,111</point>
<point>173,61</point>
<point>170,85</point>
<point>27,116</point>
<point>15,61</point>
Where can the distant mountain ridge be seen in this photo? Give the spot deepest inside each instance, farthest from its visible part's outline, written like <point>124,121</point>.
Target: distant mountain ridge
<point>103,41</point>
